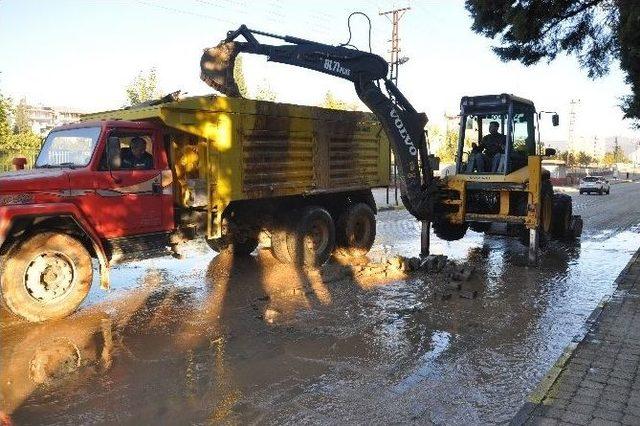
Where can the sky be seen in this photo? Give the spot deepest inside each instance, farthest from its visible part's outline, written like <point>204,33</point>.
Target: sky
<point>83,53</point>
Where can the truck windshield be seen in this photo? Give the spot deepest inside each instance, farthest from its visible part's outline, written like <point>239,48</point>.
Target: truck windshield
<point>68,148</point>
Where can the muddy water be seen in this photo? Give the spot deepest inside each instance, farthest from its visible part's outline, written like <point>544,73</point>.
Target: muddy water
<point>227,340</point>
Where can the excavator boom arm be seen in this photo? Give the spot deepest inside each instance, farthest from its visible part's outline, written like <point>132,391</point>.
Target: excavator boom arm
<point>402,124</point>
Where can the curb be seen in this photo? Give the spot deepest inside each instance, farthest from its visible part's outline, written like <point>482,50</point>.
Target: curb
<point>541,391</point>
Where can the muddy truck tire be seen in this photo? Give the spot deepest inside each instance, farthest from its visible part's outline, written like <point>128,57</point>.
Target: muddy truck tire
<point>562,212</point>
<point>279,234</point>
<point>355,231</point>
<point>312,238</point>
<point>239,246</point>
<point>46,277</point>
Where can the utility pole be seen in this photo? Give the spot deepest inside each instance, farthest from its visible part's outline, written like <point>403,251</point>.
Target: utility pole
<point>394,63</point>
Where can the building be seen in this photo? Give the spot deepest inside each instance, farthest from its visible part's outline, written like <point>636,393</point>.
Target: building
<point>44,118</point>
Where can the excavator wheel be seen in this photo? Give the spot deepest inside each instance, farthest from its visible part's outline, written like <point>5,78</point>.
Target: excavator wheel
<point>448,231</point>
<point>480,227</point>
<point>562,212</point>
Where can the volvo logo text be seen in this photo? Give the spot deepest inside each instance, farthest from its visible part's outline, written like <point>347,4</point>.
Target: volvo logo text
<point>404,134</point>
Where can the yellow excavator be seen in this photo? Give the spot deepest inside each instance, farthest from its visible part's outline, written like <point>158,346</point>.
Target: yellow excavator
<point>508,185</point>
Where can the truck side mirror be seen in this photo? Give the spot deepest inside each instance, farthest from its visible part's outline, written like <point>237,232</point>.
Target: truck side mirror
<point>549,152</point>
<point>555,120</point>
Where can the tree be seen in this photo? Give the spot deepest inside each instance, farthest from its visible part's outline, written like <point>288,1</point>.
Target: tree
<point>448,149</point>
<point>21,122</point>
<point>144,87</point>
<point>238,75</point>
<point>597,32</point>
<point>584,159</point>
<point>265,92</point>
<point>333,102</point>
<point>5,127</point>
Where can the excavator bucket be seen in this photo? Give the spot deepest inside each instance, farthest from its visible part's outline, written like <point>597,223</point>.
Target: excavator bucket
<point>216,66</point>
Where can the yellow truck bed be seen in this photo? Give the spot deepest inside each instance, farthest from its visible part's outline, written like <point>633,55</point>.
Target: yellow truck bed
<point>257,149</point>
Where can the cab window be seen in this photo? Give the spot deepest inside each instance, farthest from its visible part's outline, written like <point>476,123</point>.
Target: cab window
<point>128,151</point>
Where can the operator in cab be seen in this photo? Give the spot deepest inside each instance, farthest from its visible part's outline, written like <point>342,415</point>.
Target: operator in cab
<point>137,157</point>
<point>492,145</point>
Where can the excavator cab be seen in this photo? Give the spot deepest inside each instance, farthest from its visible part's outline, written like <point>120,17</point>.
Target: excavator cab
<point>499,176</point>
<point>497,134</point>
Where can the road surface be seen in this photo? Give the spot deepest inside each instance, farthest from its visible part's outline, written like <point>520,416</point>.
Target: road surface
<point>213,339</point>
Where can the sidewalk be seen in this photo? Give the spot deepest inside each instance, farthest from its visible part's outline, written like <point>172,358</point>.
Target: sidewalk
<point>597,380</point>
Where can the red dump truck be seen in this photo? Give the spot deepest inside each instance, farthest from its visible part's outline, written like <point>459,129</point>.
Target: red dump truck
<point>134,183</point>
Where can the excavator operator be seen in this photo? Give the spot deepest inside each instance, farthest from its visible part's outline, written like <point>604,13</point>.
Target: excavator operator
<point>486,156</point>
<point>492,145</point>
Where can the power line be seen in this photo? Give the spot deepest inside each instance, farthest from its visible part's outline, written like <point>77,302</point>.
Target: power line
<point>396,14</point>
<point>184,12</point>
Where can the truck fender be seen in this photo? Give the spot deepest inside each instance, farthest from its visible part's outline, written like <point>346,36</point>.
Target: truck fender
<point>9,213</point>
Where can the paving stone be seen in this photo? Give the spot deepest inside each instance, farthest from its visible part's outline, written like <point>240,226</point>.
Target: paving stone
<point>544,421</point>
<point>576,417</point>
<point>628,419</point>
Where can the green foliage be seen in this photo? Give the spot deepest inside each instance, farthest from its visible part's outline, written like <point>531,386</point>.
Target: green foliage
<point>238,75</point>
<point>616,156</point>
<point>21,118</point>
<point>584,159</point>
<point>595,31</point>
<point>5,112</point>
<point>333,102</point>
<point>568,157</point>
<point>449,147</point>
<point>19,141</point>
<point>144,87</point>
<point>265,92</point>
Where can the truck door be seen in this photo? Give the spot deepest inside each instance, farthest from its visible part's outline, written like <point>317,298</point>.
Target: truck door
<point>130,194</point>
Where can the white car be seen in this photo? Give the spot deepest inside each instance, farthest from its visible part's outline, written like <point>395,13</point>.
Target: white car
<point>596,184</point>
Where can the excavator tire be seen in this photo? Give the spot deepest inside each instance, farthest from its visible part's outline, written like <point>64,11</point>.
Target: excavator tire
<point>562,212</point>
<point>448,231</point>
<point>355,231</point>
<point>480,227</point>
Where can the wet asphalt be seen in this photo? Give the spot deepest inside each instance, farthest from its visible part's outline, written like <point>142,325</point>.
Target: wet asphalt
<point>217,339</point>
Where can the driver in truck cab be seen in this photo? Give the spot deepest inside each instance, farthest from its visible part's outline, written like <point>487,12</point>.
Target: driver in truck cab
<point>137,157</point>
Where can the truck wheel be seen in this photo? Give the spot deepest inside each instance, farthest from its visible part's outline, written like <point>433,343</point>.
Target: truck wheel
<point>313,237</point>
<point>355,231</point>
<point>448,231</point>
<point>562,212</point>
<point>240,247</point>
<point>46,277</point>
<point>279,246</point>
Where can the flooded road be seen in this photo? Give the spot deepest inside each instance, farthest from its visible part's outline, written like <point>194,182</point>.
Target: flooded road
<point>227,340</point>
